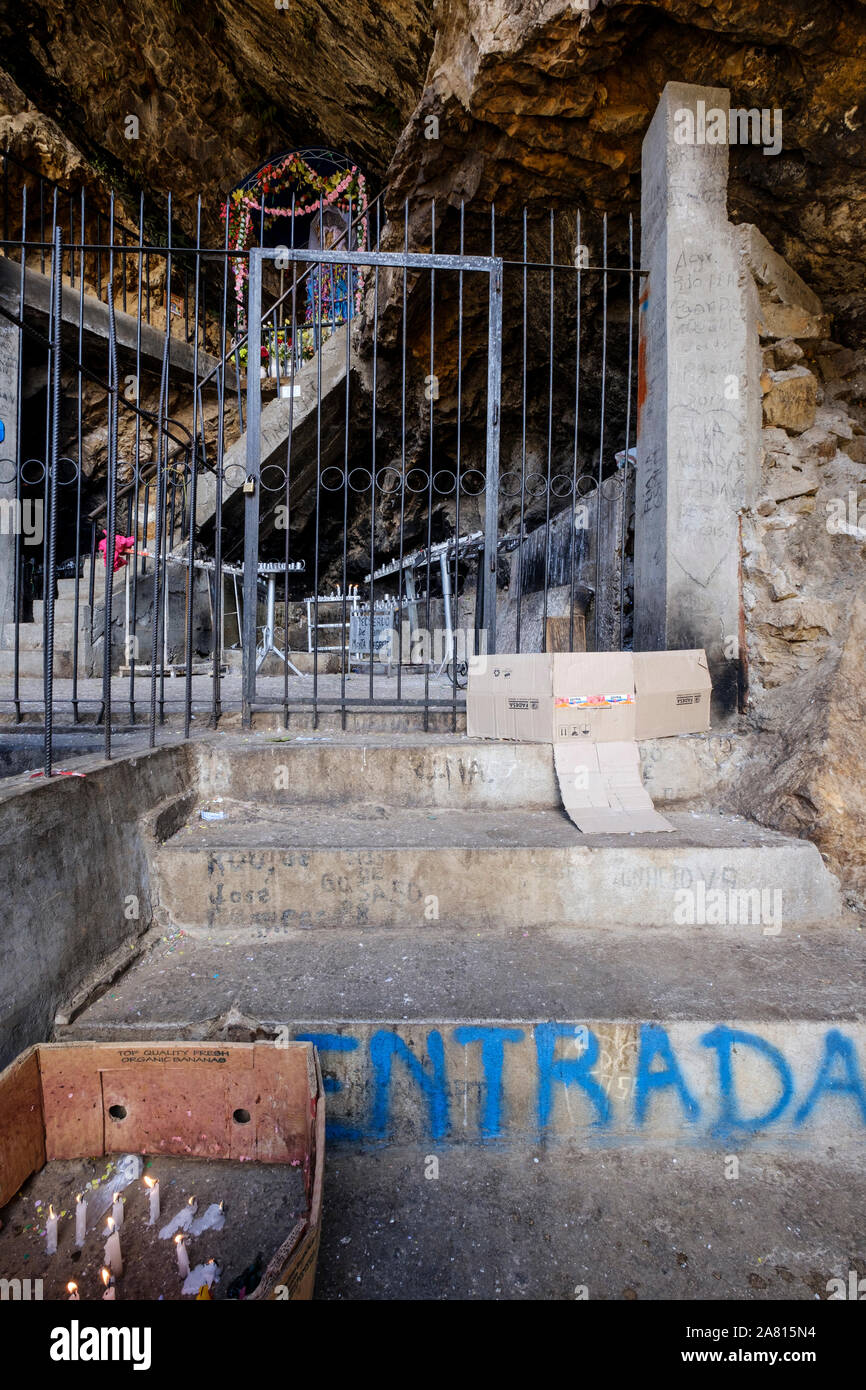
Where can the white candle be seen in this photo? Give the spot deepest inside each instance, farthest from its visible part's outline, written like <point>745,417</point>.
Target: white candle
<point>113,1257</point>
<point>182,1256</point>
<point>117,1210</point>
<point>80,1219</point>
<point>108,1281</point>
<point>192,1206</point>
<point>152,1185</point>
<point>51,1232</point>
<point>72,1290</point>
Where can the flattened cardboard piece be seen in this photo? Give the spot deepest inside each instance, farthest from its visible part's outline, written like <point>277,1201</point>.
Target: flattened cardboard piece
<point>593,696</point>
<point>592,706</point>
<point>511,698</point>
<point>581,784</point>
<point>673,692</point>
<point>615,822</point>
<point>601,788</point>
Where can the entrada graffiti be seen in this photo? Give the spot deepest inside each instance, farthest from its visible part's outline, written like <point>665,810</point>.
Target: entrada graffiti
<point>479,1082</point>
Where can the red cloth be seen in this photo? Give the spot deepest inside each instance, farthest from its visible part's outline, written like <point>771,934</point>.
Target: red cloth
<point>123,547</point>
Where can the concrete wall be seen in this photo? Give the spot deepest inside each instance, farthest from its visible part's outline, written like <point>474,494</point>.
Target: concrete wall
<point>72,858</point>
<point>492,1081</point>
<point>9,363</point>
<point>699,410</point>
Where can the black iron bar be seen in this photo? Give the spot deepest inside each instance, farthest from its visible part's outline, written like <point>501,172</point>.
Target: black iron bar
<point>132,656</point>
<point>111,515</point>
<point>401,587</point>
<point>345,636</point>
<point>624,536</point>
<point>431,380</point>
<point>76,623</point>
<point>575,464</point>
<point>53,467</point>
<point>375,384</point>
<point>599,597</point>
<point>455,591</point>
<point>17,586</point>
<point>549,479</point>
<point>190,583</point>
<point>522,434</point>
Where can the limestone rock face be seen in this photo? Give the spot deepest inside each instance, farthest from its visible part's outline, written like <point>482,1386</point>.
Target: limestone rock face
<point>549,101</point>
<point>809,779</point>
<point>537,101</point>
<point>791,400</point>
<point>219,87</point>
<point>803,551</point>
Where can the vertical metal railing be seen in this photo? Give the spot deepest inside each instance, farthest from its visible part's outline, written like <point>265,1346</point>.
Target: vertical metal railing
<point>368,472</point>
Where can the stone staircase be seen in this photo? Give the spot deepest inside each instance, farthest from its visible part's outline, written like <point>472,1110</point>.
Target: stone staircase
<point>67,623</point>
<point>519,1007</point>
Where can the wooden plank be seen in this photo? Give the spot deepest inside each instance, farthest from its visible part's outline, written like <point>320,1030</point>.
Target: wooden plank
<point>558,634</point>
<point>22,1132</point>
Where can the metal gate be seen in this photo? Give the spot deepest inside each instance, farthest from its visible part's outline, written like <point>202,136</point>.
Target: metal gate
<point>302,486</point>
<point>317,470</point>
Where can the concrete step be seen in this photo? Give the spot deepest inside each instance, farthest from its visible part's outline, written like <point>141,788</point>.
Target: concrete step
<point>442,770</point>
<point>546,1223</point>
<point>30,663</point>
<point>375,865</point>
<point>305,662</point>
<point>66,588</point>
<point>513,1037</point>
<point>64,609</point>
<point>30,636</point>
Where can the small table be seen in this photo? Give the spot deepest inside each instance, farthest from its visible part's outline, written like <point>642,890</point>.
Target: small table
<point>270,570</point>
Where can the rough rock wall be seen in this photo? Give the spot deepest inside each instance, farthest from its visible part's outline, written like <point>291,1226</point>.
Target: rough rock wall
<point>538,101</point>
<point>542,101</point>
<point>803,552</point>
<point>218,86</point>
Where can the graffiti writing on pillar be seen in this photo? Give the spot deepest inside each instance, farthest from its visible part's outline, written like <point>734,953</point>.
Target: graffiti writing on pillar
<point>481,1082</point>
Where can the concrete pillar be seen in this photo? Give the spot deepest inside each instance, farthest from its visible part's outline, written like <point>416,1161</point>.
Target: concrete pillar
<point>698,393</point>
<point>9,517</point>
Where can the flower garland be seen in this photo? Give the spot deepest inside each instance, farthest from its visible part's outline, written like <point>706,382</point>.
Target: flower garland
<point>345,190</point>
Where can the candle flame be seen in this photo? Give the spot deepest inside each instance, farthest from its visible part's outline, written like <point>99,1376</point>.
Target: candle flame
<point>178,1240</point>
<point>222,1206</point>
<point>80,1197</point>
<point>71,1287</point>
<point>150,1182</point>
<point>51,1211</point>
<point>110,1224</point>
<point>191,1202</point>
<point>106,1276</point>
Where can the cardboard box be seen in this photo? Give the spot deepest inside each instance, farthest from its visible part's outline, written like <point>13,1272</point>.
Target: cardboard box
<point>673,692</point>
<point>512,698</point>
<point>592,707</point>
<point>593,697</point>
<point>57,1102</point>
<point>549,697</point>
